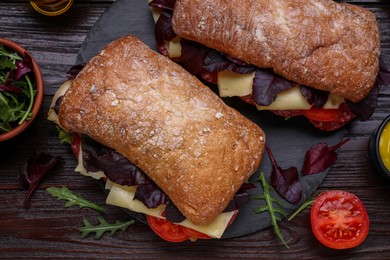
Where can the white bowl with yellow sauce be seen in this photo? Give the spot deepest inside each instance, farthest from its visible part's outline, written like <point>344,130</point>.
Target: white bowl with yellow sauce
<point>380,148</point>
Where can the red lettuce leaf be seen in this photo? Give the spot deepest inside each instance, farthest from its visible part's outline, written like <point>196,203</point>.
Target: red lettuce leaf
<point>320,157</point>
<point>173,214</point>
<point>267,85</point>
<point>34,170</point>
<point>239,199</point>
<point>115,166</point>
<point>57,104</point>
<point>163,4</point>
<point>216,61</point>
<point>74,71</point>
<point>383,77</point>
<point>193,55</point>
<point>164,32</point>
<point>285,181</point>
<point>366,108</point>
<point>23,67</point>
<point>151,195</point>
<point>313,96</point>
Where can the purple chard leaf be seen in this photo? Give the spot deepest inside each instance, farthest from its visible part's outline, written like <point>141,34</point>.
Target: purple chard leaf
<point>320,157</point>
<point>285,181</point>
<point>33,171</point>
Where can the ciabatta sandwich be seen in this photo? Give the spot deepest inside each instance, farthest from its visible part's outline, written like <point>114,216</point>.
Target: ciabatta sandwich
<point>148,111</point>
<point>317,58</point>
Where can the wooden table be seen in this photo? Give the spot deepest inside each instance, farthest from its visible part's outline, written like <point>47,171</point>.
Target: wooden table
<point>46,229</point>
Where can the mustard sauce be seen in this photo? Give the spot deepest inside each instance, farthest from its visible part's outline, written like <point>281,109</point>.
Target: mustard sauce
<point>384,146</point>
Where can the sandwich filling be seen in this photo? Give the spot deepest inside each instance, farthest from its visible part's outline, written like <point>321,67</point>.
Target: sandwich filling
<point>263,87</point>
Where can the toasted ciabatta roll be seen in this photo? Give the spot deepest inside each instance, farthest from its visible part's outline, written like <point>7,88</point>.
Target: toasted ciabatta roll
<point>317,43</point>
<point>195,148</point>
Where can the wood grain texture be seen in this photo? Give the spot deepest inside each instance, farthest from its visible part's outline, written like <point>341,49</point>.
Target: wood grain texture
<point>46,229</point>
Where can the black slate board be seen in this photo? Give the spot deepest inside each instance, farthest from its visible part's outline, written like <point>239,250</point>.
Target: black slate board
<point>288,139</point>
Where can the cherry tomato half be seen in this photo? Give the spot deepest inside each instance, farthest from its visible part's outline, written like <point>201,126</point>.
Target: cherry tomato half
<point>324,115</point>
<point>339,219</point>
<point>173,233</point>
<point>166,229</point>
<point>193,234</point>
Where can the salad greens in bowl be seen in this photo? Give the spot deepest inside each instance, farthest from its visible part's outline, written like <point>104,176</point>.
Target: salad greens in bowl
<point>21,89</point>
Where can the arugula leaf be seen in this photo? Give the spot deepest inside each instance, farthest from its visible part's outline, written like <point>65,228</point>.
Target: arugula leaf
<point>17,90</point>
<point>64,193</point>
<point>306,204</point>
<point>274,211</point>
<point>9,54</point>
<point>103,227</point>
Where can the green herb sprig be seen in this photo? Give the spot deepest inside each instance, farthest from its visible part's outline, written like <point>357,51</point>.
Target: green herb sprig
<point>64,193</point>
<point>273,206</point>
<point>103,227</point>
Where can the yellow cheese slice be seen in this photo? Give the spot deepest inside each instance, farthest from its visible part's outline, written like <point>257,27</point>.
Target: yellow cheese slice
<point>288,100</point>
<point>174,48</point>
<point>333,102</point>
<point>155,12</point>
<point>232,84</point>
<point>122,196</point>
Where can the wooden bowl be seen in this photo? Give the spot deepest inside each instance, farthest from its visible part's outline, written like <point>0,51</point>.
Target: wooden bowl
<point>39,86</point>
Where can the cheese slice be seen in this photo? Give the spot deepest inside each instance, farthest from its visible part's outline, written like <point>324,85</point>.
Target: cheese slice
<point>174,48</point>
<point>288,100</point>
<point>122,196</point>
<point>155,12</point>
<point>333,102</point>
<point>232,84</point>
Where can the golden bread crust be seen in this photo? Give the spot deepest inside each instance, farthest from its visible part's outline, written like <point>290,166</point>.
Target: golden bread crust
<point>318,43</point>
<point>195,148</point>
